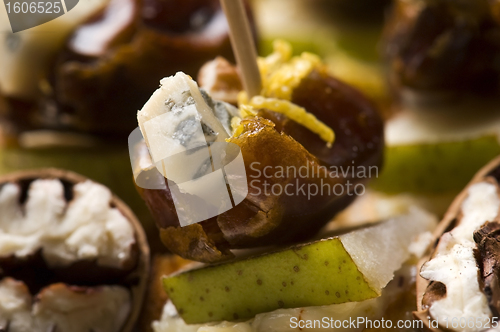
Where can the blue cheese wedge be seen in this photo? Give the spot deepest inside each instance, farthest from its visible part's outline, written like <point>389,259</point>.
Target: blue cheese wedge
<point>186,131</point>
<point>178,122</point>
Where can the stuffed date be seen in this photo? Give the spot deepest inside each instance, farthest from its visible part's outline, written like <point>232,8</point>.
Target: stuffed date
<point>295,139</point>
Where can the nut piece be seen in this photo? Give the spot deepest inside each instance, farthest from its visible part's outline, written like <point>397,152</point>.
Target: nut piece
<point>15,304</point>
<point>221,80</point>
<point>63,308</point>
<point>488,249</point>
<point>62,238</point>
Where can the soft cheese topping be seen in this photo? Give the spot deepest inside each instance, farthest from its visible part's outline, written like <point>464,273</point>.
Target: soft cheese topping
<point>87,228</point>
<point>15,304</point>
<point>457,269</point>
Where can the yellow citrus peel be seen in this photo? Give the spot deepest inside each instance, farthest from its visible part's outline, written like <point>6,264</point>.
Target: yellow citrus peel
<point>281,74</point>
<point>297,114</point>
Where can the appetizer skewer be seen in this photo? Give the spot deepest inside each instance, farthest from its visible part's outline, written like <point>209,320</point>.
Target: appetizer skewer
<point>280,133</point>
<point>301,118</point>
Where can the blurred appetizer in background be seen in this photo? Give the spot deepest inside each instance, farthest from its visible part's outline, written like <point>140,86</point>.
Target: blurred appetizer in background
<point>100,70</point>
<point>442,68</point>
<point>443,49</point>
<point>347,39</point>
<point>356,11</point>
<point>73,257</point>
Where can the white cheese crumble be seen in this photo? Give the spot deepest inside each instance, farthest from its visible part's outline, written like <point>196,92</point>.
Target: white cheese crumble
<point>481,205</point>
<point>457,269</point>
<point>87,228</point>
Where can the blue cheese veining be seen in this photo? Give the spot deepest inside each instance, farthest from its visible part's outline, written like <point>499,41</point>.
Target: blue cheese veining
<point>178,122</point>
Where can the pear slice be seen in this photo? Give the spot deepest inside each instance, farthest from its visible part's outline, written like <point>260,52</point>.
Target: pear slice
<point>432,152</point>
<point>351,267</point>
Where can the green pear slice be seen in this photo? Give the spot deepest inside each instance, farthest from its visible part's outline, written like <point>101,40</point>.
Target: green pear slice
<point>348,268</point>
<point>296,319</point>
<point>437,152</point>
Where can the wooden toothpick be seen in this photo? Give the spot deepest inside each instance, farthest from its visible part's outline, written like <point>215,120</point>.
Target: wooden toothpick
<point>243,45</point>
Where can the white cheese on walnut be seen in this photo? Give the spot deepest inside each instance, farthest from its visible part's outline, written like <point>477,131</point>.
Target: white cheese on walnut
<point>86,228</point>
<point>99,309</point>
